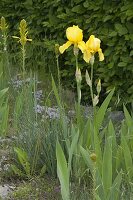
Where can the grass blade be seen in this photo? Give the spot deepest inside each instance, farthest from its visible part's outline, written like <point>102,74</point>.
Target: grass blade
<point>101,112</point>
<point>62,171</point>
<point>127,157</point>
<point>115,189</point>
<point>107,166</point>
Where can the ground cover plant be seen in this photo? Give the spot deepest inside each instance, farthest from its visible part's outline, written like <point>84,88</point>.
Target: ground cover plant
<point>77,156</point>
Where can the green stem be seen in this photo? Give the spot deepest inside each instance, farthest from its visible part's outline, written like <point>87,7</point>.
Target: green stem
<point>5,41</point>
<point>35,101</point>
<point>76,61</point>
<point>78,84</point>
<point>35,156</point>
<point>23,60</point>
<point>94,182</point>
<point>79,121</point>
<point>91,88</point>
<point>58,70</point>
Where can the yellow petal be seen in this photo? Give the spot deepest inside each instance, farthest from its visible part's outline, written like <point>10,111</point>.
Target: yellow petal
<point>87,56</point>
<point>65,46</point>
<point>101,55</point>
<point>82,46</point>
<point>74,34</point>
<point>93,44</point>
<point>30,40</point>
<point>15,37</point>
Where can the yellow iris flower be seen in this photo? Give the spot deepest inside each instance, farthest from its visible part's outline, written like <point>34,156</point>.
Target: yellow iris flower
<point>75,36</point>
<point>92,47</point>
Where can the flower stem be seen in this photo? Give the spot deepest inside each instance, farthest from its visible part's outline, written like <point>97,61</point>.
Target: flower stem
<point>94,181</point>
<point>23,60</point>
<point>91,88</point>
<point>4,41</point>
<point>79,120</point>
<point>78,84</point>
<point>58,71</point>
<point>6,70</point>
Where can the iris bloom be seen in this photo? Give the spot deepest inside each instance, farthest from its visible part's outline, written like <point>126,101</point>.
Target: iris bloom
<point>92,47</point>
<point>75,36</point>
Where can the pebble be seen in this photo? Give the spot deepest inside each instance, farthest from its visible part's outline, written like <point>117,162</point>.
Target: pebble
<point>4,191</point>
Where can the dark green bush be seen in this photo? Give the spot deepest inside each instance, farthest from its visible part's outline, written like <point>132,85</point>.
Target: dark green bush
<point>111,21</point>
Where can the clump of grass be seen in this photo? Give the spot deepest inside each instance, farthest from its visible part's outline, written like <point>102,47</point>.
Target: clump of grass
<point>37,188</point>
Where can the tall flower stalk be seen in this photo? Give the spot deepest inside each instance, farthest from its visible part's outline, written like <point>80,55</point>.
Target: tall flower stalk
<point>92,47</point>
<point>78,80</point>
<point>75,37</point>
<point>4,27</point>
<point>91,89</point>
<point>5,70</point>
<point>78,75</point>
<point>23,40</point>
<point>57,53</point>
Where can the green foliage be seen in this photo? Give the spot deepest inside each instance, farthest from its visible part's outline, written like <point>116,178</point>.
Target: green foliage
<point>102,110</point>
<point>62,172</point>
<point>4,112</point>
<point>108,20</point>
<point>23,159</point>
<point>106,170</point>
<point>36,135</point>
<point>36,188</point>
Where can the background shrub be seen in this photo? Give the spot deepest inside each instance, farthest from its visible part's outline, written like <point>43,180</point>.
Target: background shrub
<point>111,21</point>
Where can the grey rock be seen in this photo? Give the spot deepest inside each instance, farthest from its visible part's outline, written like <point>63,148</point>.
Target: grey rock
<point>116,116</point>
<point>4,191</point>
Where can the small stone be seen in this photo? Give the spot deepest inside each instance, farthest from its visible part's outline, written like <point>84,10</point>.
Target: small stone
<point>4,191</point>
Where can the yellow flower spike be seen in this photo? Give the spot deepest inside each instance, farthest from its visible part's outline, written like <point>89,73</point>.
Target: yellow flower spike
<point>23,33</point>
<point>92,47</point>
<point>3,24</point>
<point>75,36</point>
